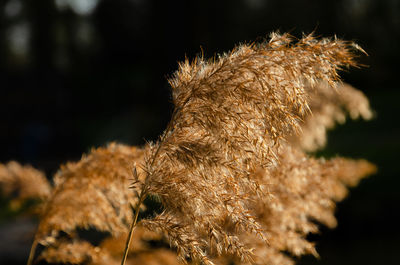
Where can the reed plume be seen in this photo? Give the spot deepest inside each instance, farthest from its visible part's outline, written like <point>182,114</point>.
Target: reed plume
<point>98,180</point>
<point>328,107</point>
<point>233,119</point>
<point>231,168</point>
<point>92,193</point>
<point>22,183</point>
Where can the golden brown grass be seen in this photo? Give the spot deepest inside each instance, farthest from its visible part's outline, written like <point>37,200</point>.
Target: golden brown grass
<point>231,168</point>
<point>225,168</point>
<point>22,183</point>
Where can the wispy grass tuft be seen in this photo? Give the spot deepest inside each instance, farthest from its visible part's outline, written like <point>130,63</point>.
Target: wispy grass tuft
<point>232,176</point>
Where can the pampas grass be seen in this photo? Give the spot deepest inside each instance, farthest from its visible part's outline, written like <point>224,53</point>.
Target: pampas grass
<point>231,170</point>
<point>220,166</point>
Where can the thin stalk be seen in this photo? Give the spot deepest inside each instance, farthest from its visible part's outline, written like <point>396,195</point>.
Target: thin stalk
<point>144,191</point>
<point>133,225</point>
<point>32,252</point>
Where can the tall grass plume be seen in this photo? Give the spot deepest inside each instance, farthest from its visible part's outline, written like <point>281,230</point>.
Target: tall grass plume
<point>233,170</point>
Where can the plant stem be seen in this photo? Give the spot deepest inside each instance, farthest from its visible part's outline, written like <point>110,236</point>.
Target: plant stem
<point>142,196</point>
<point>144,190</point>
<point>32,252</point>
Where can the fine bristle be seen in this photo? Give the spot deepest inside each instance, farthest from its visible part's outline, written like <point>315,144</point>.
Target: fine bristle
<point>231,169</point>
<point>224,167</point>
<point>92,193</point>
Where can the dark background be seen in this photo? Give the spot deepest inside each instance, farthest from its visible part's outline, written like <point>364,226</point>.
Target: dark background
<point>76,74</point>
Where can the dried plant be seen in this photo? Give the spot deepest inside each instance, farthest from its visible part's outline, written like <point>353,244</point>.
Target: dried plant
<point>78,251</point>
<point>329,106</point>
<point>99,180</point>
<point>231,168</point>
<point>92,193</point>
<point>303,192</point>
<point>70,252</point>
<point>21,183</point>
<point>233,119</point>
